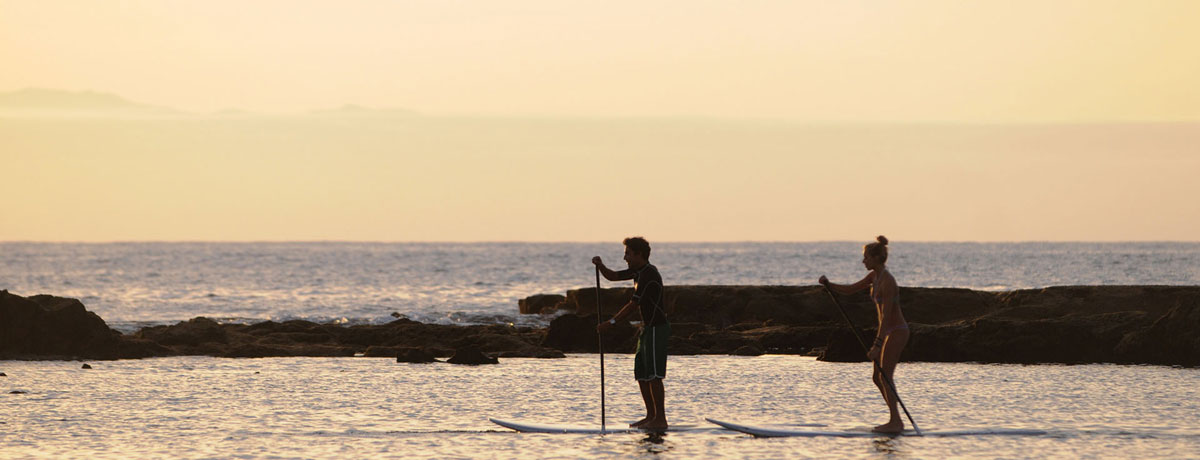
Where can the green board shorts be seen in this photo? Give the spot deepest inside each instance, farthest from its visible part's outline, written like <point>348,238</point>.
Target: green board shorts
<point>650,362</point>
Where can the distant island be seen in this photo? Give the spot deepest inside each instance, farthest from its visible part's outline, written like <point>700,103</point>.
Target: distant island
<point>43,101</point>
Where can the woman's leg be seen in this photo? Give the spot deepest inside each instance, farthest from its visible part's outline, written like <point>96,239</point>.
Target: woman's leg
<point>889,357</point>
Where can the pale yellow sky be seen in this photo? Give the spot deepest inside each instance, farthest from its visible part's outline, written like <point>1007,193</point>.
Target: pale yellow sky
<point>594,120</point>
<point>946,61</point>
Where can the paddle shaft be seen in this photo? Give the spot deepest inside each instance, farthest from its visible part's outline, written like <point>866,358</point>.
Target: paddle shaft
<point>600,343</point>
<point>886,378</point>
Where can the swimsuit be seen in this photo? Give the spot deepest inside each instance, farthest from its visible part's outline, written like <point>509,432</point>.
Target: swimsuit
<point>879,301</point>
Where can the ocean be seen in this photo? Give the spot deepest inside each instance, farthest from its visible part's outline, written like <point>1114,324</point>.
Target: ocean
<point>206,407</point>
<point>132,285</point>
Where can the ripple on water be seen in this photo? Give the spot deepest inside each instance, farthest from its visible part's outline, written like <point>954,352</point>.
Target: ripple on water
<point>357,407</point>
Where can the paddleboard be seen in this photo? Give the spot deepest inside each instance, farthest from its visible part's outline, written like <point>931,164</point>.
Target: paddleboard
<point>582,429</point>
<point>779,431</point>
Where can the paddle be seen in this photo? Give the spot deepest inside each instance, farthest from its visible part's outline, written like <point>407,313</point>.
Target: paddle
<point>600,342</point>
<point>886,378</point>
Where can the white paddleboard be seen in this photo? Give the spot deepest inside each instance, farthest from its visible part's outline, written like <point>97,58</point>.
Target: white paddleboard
<point>583,429</point>
<point>779,431</point>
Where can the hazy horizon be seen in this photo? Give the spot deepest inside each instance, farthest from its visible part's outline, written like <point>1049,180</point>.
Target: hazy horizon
<point>537,120</point>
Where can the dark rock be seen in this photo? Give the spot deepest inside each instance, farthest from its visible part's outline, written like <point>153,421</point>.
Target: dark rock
<point>747,350</point>
<point>86,366</point>
<point>17,392</point>
<point>194,332</point>
<point>253,350</point>
<point>539,352</point>
<point>1172,339</point>
<point>508,346</point>
<point>583,301</point>
<point>133,347</point>
<point>3,374</point>
<point>540,304</point>
<point>1071,324</point>
<point>843,347</point>
<point>685,330</point>
<point>471,356</point>
<point>414,355</point>
<point>574,334</point>
<point>45,326</point>
<point>744,326</point>
<point>723,342</point>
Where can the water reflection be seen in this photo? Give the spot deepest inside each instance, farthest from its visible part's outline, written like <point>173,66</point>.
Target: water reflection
<point>655,443</point>
<point>887,445</point>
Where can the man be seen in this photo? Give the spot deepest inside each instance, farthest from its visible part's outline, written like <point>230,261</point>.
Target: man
<point>650,363</point>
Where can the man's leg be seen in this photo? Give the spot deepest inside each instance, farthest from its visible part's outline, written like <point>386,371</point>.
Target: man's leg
<point>659,419</point>
<point>648,398</point>
<point>658,353</point>
<point>641,370</point>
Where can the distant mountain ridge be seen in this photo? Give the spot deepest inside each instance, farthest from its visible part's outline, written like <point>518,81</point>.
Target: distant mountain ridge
<point>39,98</point>
<point>358,110</point>
<point>95,103</point>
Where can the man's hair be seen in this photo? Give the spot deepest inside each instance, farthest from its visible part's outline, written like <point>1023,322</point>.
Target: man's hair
<point>638,245</point>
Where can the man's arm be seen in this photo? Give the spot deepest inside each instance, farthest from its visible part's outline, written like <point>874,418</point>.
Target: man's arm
<point>610,274</point>
<point>625,311</point>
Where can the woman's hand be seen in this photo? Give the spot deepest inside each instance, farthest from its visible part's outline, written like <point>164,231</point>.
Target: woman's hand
<point>873,354</point>
<point>823,280</point>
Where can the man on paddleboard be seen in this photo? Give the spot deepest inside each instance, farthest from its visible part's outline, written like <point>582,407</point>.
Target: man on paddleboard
<point>650,363</point>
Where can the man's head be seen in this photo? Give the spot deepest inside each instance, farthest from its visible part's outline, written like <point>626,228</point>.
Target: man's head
<point>637,251</point>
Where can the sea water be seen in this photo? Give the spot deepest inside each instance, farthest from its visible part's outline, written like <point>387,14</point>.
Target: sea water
<point>204,407</point>
<point>132,285</point>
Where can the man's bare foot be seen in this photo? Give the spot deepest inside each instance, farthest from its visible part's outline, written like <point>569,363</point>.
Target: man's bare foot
<point>890,427</point>
<point>655,425</point>
<point>639,422</point>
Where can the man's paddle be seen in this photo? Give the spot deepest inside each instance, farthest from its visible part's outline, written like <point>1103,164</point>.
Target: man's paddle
<point>886,378</point>
<point>600,342</point>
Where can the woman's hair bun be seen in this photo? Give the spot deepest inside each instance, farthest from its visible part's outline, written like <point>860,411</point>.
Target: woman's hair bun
<point>881,239</point>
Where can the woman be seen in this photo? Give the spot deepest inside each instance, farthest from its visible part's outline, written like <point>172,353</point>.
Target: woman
<point>892,333</point>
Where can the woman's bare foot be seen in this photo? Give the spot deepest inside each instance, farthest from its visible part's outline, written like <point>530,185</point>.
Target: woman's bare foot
<point>656,424</point>
<point>890,427</point>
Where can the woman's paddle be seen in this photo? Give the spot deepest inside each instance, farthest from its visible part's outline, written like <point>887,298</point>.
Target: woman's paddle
<point>600,342</point>
<point>886,378</point>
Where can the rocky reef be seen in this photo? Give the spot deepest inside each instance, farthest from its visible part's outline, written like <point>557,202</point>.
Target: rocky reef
<point>48,327</point>
<point>1071,324</point>
<point>1068,324</point>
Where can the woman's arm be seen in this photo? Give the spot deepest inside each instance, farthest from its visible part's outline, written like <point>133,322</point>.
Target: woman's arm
<point>848,288</point>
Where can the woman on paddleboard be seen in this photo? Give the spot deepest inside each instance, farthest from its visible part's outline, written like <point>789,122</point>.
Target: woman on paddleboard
<point>892,334</point>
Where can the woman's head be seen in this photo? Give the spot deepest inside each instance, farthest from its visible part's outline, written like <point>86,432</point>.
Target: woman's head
<point>875,254</point>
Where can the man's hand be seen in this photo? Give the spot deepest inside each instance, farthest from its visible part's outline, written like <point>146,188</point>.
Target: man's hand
<point>823,280</point>
<point>597,262</point>
<point>604,327</point>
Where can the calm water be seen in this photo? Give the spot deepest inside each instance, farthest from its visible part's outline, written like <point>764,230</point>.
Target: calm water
<point>196,407</point>
<point>134,284</point>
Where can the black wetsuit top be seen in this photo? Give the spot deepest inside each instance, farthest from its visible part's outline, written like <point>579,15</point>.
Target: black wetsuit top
<point>647,292</point>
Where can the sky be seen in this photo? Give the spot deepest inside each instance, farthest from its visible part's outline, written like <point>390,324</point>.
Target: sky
<point>590,120</point>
